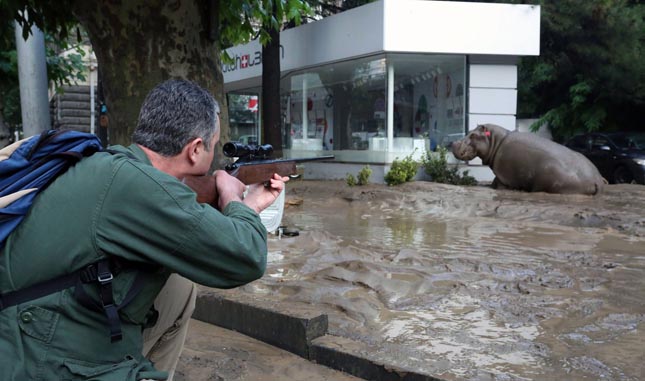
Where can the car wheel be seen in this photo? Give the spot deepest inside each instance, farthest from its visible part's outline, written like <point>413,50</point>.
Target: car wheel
<point>622,175</point>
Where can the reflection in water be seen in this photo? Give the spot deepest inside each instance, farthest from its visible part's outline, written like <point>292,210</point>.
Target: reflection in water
<point>392,231</point>
<point>449,289</point>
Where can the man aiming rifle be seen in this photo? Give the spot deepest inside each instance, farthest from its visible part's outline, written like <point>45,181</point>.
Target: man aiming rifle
<point>124,224</point>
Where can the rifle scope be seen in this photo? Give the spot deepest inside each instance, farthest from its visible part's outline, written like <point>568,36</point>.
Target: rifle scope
<point>237,149</point>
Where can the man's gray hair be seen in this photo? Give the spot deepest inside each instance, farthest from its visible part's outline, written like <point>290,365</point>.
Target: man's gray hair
<point>174,113</point>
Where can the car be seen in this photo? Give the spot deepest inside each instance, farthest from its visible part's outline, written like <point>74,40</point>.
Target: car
<point>248,139</point>
<point>619,156</point>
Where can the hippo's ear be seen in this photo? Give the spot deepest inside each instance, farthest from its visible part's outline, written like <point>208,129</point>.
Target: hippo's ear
<point>485,130</point>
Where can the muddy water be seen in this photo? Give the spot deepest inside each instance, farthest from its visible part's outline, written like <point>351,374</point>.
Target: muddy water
<point>470,283</point>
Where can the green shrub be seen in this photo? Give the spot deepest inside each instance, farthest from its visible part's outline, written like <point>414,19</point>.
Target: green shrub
<point>350,180</point>
<point>401,171</point>
<point>364,175</point>
<point>436,166</point>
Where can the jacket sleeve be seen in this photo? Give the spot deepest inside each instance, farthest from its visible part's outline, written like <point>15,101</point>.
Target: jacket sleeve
<point>146,215</point>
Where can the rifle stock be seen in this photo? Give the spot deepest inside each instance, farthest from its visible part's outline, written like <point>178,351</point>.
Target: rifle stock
<point>259,173</point>
<point>249,172</point>
<point>204,187</point>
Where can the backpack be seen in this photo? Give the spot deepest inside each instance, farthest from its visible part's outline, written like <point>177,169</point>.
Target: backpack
<point>28,166</point>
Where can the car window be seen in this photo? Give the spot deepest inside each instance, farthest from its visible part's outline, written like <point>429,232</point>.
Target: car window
<point>622,141</point>
<point>599,141</point>
<point>637,141</point>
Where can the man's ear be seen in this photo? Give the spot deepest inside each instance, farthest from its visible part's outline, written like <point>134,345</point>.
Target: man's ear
<point>194,148</point>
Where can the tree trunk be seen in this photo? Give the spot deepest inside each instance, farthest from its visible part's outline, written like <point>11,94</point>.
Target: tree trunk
<point>5,133</point>
<point>140,43</point>
<point>271,123</point>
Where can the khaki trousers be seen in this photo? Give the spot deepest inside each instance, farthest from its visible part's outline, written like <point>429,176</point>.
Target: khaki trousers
<point>163,343</point>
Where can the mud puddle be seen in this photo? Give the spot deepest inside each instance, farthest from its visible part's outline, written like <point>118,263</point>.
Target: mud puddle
<point>470,283</point>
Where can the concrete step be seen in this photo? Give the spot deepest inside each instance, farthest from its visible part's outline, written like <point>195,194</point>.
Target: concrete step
<point>75,120</point>
<point>77,89</point>
<point>75,113</point>
<point>80,105</point>
<point>75,96</point>
<point>303,333</point>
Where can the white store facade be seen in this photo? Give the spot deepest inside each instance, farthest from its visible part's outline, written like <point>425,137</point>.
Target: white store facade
<point>386,80</point>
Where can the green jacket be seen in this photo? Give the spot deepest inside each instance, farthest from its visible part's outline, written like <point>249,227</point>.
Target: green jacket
<point>110,204</point>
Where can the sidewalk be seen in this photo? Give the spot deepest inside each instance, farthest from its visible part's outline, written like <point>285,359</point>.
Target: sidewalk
<point>217,354</point>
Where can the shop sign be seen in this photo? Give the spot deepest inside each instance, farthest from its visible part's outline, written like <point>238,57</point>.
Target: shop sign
<point>245,61</point>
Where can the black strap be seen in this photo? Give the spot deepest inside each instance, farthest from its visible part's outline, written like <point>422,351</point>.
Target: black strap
<point>101,272</point>
<point>104,277</point>
<point>106,304</point>
<point>45,288</point>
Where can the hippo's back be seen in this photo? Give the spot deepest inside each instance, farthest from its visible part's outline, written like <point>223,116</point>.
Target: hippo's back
<point>570,171</point>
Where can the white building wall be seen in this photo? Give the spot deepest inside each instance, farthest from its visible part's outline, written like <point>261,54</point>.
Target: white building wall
<point>397,26</point>
<point>492,98</point>
<point>492,95</point>
<point>461,27</point>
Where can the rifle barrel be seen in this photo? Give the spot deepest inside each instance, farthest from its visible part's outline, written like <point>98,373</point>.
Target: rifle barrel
<point>254,172</point>
<point>269,161</point>
<point>312,158</point>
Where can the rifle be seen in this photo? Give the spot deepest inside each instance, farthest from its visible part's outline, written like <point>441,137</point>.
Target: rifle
<point>254,165</point>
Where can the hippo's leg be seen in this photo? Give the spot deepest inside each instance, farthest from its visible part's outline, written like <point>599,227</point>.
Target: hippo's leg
<point>498,184</point>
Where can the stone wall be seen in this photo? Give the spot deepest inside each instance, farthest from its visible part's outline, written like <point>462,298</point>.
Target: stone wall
<point>71,108</point>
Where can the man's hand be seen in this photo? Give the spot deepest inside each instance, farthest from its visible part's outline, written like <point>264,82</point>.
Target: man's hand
<point>228,188</point>
<point>260,196</point>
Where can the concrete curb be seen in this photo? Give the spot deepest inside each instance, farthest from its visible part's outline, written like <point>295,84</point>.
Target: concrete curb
<point>293,334</point>
<point>352,357</point>
<point>305,336</point>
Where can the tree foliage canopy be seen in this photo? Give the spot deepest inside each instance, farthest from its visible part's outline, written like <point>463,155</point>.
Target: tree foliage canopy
<point>244,20</point>
<point>239,20</point>
<point>167,39</point>
<point>590,74</point>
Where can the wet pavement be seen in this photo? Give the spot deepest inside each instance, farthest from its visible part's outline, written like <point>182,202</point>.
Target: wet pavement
<point>469,283</point>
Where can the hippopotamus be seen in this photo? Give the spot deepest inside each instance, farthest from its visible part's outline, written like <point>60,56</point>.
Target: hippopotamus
<point>528,162</point>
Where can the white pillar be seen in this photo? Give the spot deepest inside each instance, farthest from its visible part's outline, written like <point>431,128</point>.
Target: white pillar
<point>92,104</point>
<point>32,74</point>
<point>305,114</point>
<point>390,107</point>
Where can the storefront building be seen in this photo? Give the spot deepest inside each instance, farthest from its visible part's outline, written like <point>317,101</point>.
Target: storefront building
<point>386,80</point>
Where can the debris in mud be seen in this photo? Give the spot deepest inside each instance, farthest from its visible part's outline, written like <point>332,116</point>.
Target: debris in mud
<point>293,201</point>
<point>610,265</point>
<point>591,365</point>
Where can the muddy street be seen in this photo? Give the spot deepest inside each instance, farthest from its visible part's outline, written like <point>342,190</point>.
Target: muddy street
<point>469,283</point>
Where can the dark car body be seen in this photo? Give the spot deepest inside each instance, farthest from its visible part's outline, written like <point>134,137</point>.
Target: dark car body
<point>619,156</point>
